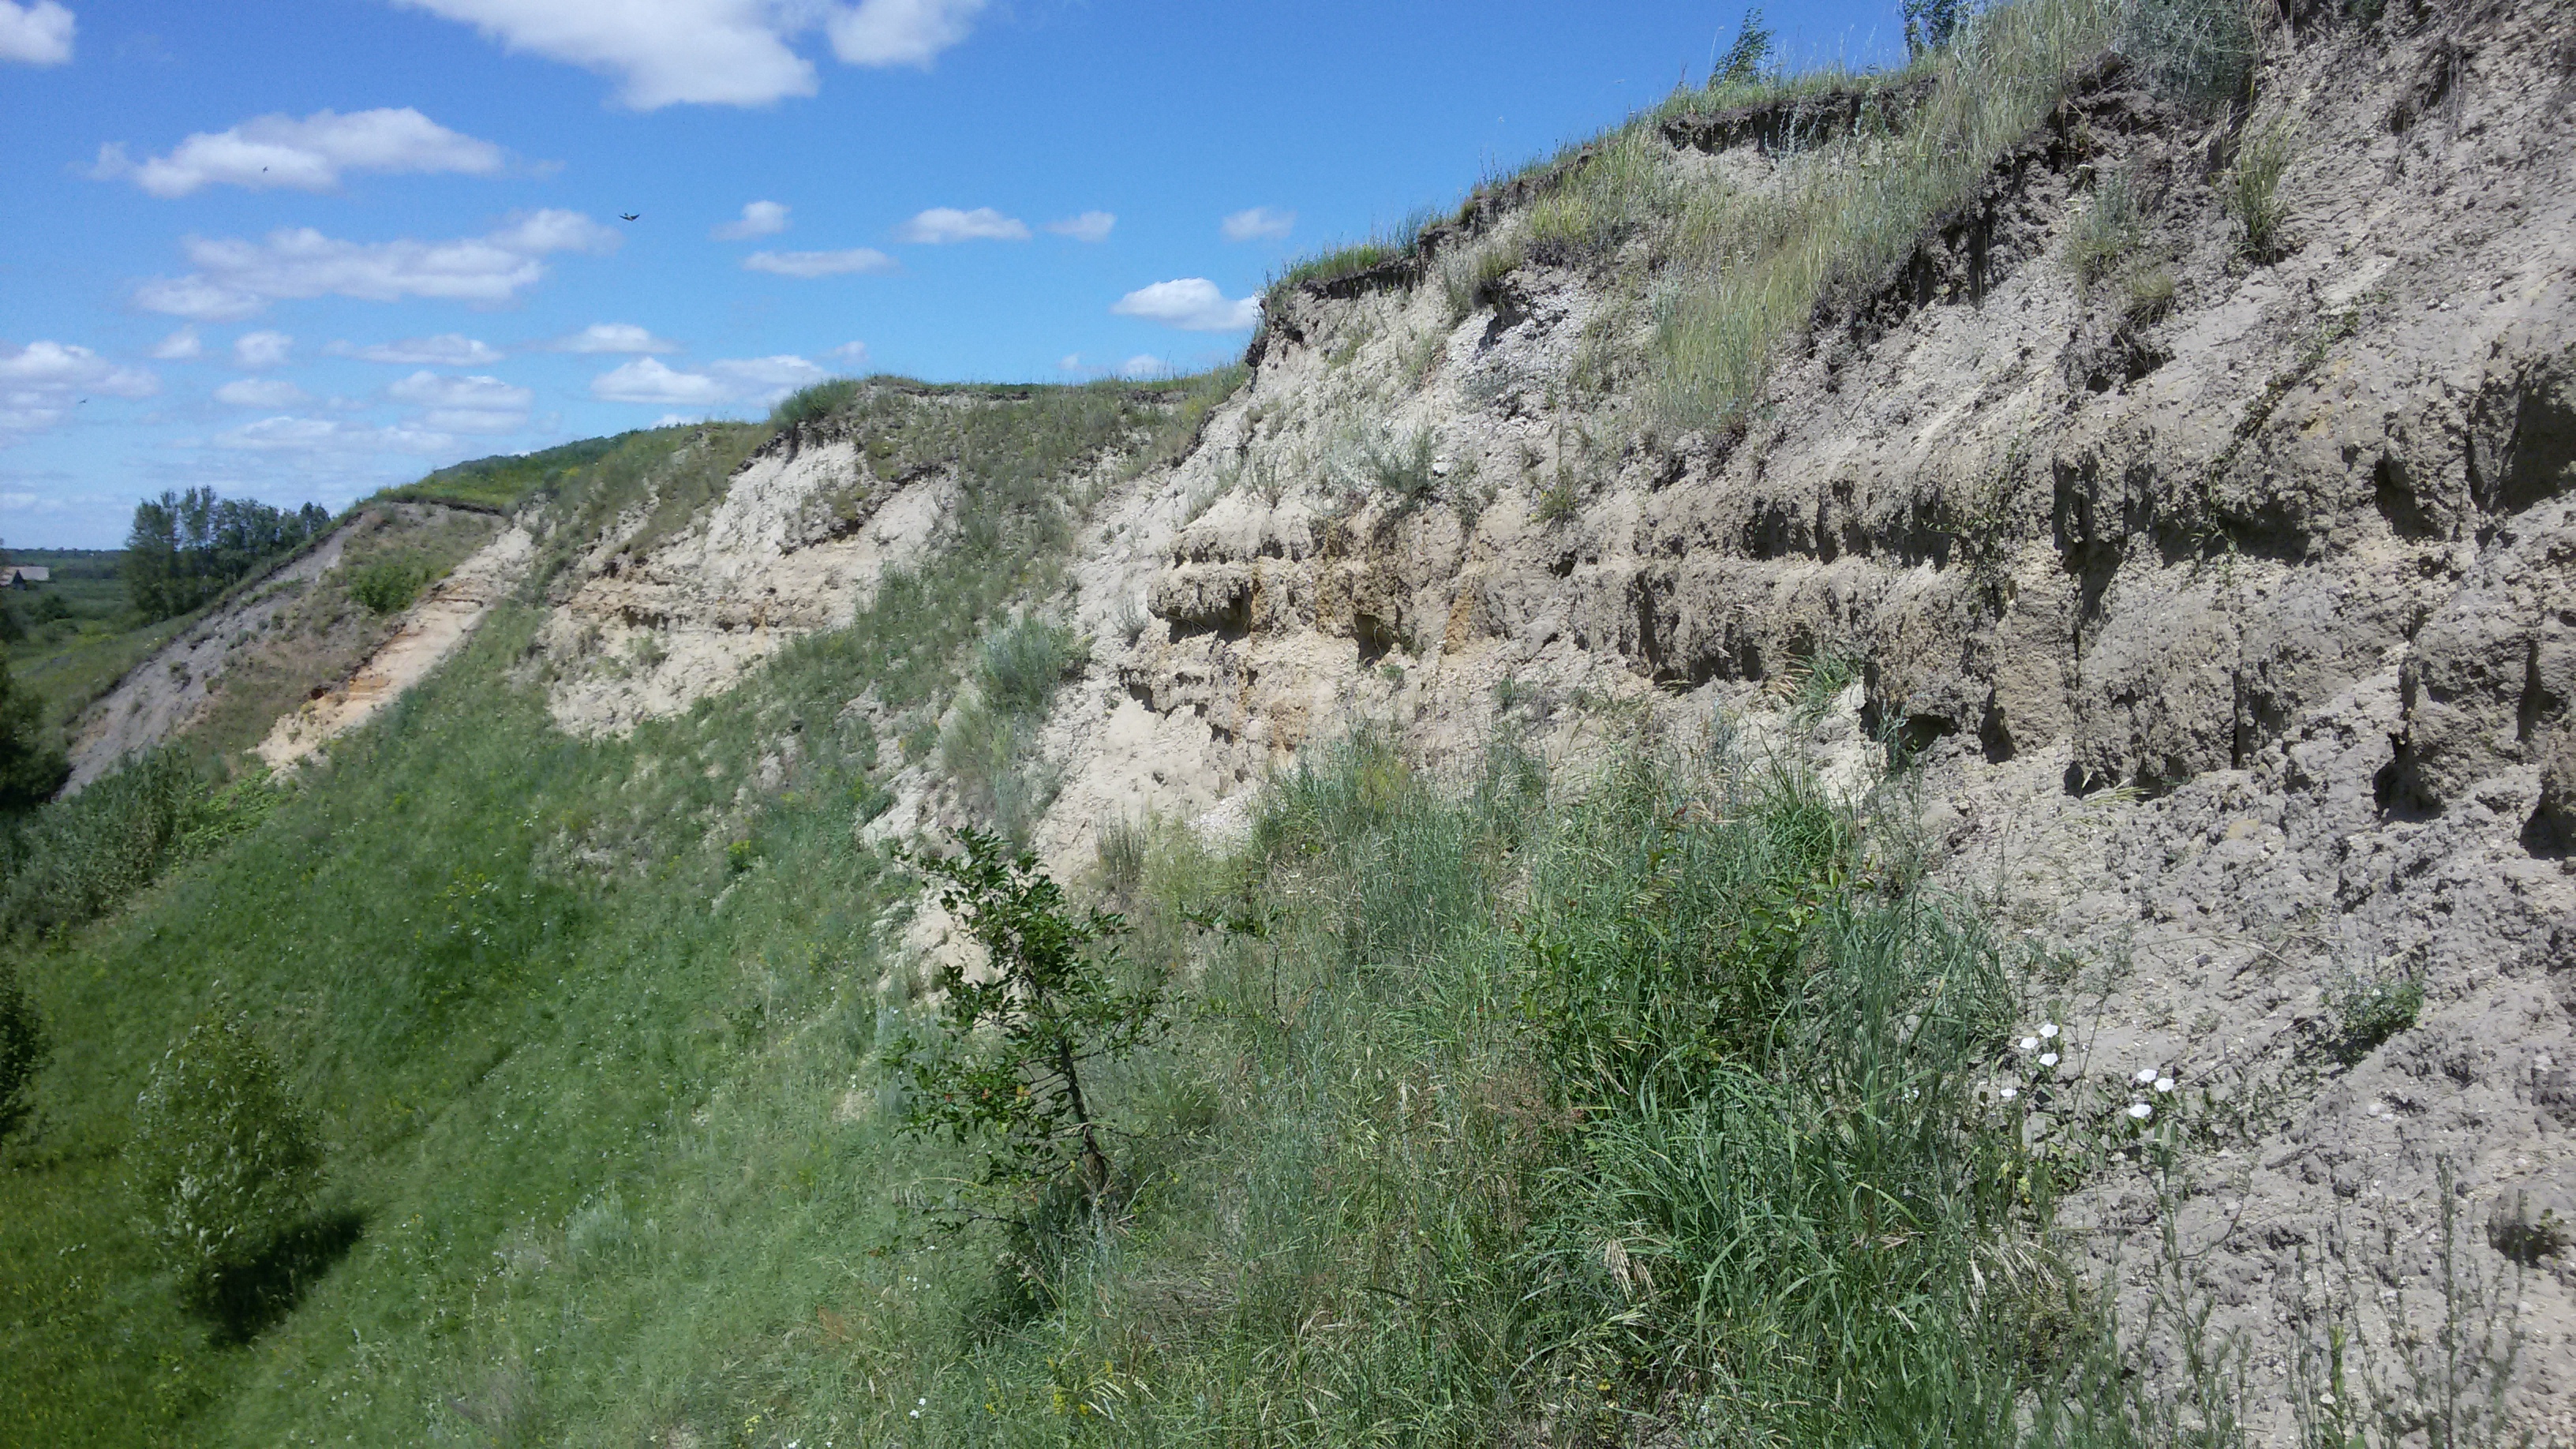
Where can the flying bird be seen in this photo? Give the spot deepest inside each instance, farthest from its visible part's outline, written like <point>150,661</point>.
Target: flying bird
<point>630,216</point>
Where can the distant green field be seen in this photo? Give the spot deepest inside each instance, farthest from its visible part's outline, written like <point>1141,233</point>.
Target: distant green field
<point>81,630</point>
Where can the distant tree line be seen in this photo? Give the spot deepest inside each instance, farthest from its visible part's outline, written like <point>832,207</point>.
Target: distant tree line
<point>186,547</point>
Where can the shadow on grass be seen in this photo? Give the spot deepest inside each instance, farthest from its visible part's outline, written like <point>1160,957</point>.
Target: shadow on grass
<point>241,1300</point>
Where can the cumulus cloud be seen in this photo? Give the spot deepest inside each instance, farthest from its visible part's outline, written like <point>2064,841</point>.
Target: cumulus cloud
<point>1259,223</point>
<point>42,382</point>
<point>38,34</point>
<point>708,52</point>
<point>179,346</point>
<point>235,278</point>
<point>942,224</point>
<point>1144,365</point>
<point>647,380</point>
<point>262,349</point>
<point>1193,304</point>
<point>447,349</point>
<point>819,264</point>
<point>438,390</point>
<point>713,52</point>
<point>759,218</point>
<point>309,155</point>
<point>476,404</point>
<point>194,296</point>
<point>289,434</point>
<point>900,32</point>
<point>613,337</point>
<point>853,355</point>
<point>1091,226</point>
<point>260,392</point>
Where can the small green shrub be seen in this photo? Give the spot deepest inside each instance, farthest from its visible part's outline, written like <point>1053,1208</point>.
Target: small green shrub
<point>2105,229</point>
<point>1008,1069</point>
<point>388,585</point>
<point>1746,60</point>
<point>1559,501</point>
<point>2146,292</point>
<point>22,1050</point>
<point>2199,52</point>
<point>32,763</point>
<point>1468,274</point>
<point>813,404</point>
<point>1402,467</point>
<point>225,1166</point>
<point>1929,24</point>
<point>2368,1010</point>
<point>2251,189</point>
<point>1024,661</point>
<point>76,859</point>
<point>1122,848</point>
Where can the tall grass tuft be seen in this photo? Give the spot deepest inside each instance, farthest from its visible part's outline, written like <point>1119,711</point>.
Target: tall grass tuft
<point>1853,209</point>
<point>77,858</point>
<point>2251,188</point>
<point>1629,1111</point>
<point>813,404</point>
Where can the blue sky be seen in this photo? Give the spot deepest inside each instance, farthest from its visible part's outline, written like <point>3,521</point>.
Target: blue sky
<point>297,251</point>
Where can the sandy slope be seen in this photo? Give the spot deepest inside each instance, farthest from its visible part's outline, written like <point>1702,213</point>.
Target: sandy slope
<point>427,635</point>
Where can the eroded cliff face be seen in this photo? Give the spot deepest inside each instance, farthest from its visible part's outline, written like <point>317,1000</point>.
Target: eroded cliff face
<point>2222,605</point>
<point>797,543</point>
<point>2233,636</point>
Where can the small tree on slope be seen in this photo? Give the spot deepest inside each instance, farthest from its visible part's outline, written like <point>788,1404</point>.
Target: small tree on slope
<point>225,1165</point>
<point>1020,1033</point>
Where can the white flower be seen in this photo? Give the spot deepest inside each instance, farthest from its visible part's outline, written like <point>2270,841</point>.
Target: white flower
<point>2011,1092</point>
<point>2048,1028</point>
<point>925,1403</point>
<point>2048,1059</point>
<point>2146,1075</point>
<point>916,1413</point>
<point>2030,1043</point>
<point>2164,1084</point>
<point>2140,1111</point>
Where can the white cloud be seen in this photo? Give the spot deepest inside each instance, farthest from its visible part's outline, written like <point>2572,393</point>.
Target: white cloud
<point>1193,304</point>
<point>38,34</point>
<point>236,278</point>
<point>819,264</point>
<point>759,218</point>
<point>552,229</point>
<point>942,224</point>
<point>613,337</point>
<point>901,32</point>
<point>1091,226</point>
<point>708,52</point>
<point>42,382</point>
<point>430,389</point>
<point>1143,365</point>
<point>1259,223</point>
<point>447,349</point>
<point>1070,362</point>
<point>647,380</point>
<point>194,296</point>
<point>475,404</point>
<point>285,434</point>
<point>179,346</point>
<point>260,392</point>
<point>309,155</point>
<point>850,354</point>
<point>262,349</point>
<point>770,378</point>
